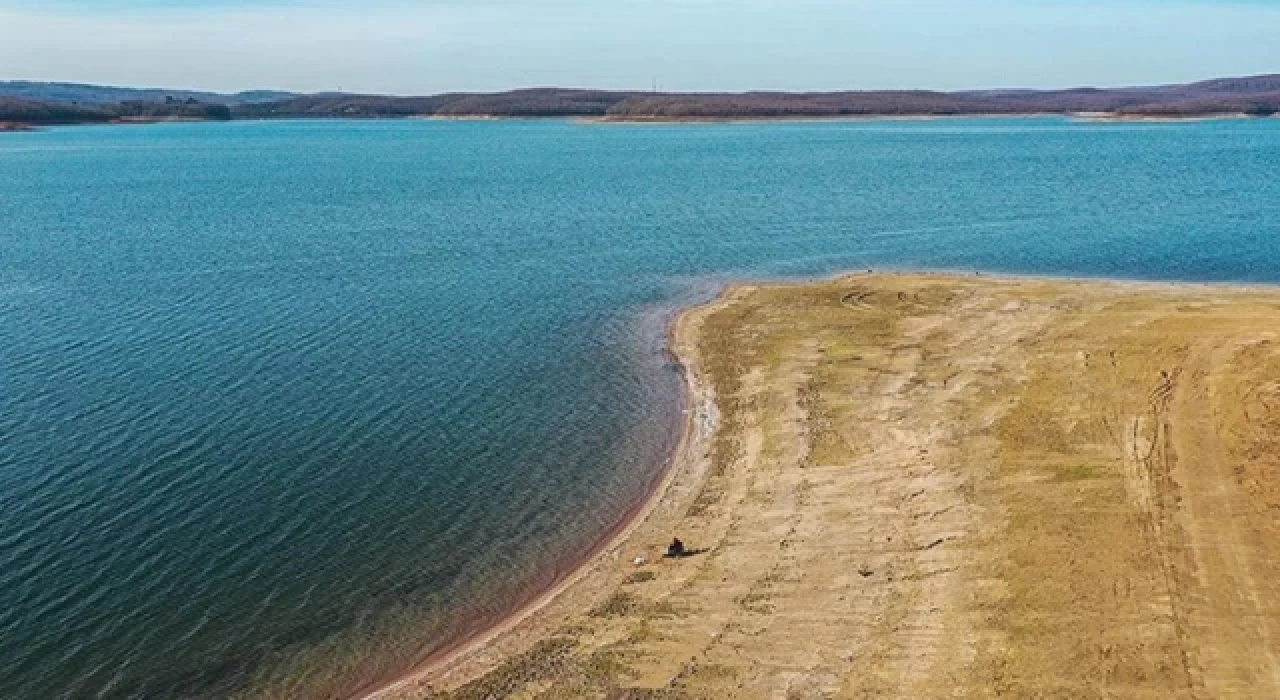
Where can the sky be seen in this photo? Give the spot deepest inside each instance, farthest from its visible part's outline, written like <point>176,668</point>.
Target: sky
<point>430,46</point>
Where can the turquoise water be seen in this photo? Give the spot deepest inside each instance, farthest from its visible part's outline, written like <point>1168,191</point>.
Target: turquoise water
<point>305,401</point>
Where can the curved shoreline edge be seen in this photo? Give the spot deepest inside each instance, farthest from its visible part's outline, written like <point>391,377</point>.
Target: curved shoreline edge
<point>507,637</point>
<point>909,471</point>
<point>599,572</point>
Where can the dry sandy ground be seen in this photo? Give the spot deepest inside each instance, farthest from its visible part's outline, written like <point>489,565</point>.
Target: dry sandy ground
<point>921,486</point>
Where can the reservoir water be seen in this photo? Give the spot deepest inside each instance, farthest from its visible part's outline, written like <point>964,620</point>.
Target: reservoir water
<point>285,407</point>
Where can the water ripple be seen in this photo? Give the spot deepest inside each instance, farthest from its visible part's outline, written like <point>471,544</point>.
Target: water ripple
<point>282,398</point>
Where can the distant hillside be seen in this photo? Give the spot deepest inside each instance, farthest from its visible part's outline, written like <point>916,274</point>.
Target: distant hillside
<point>1253,85</point>
<point>76,93</point>
<point>532,102</point>
<point>30,112</point>
<point>19,111</point>
<point>60,102</point>
<point>1258,95</point>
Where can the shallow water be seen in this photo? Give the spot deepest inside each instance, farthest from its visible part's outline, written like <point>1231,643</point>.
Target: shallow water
<point>303,401</point>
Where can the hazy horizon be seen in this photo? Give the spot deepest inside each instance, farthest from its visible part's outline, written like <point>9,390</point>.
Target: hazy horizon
<point>401,48</point>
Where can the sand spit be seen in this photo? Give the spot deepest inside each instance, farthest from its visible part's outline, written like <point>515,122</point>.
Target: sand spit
<point>920,486</point>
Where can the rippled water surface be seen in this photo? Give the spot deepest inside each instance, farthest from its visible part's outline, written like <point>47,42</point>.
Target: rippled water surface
<point>301,402</point>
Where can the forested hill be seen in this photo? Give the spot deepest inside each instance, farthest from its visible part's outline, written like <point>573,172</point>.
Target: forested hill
<point>1251,96</point>
<point>1258,95</point>
<point>19,111</point>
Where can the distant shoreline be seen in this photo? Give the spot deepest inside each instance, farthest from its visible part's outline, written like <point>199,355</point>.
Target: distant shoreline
<point>1076,117</point>
<point>1156,119</point>
<point>1084,118</point>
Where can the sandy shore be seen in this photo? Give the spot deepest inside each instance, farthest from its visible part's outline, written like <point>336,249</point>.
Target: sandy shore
<point>1105,117</point>
<point>1080,117</point>
<point>599,577</point>
<point>813,118</point>
<point>924,486</point>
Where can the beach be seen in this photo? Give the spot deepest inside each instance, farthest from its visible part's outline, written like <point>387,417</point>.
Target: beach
<point>936,485</point>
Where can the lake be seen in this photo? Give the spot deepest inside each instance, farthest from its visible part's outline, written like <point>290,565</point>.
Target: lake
<point>294,404</point>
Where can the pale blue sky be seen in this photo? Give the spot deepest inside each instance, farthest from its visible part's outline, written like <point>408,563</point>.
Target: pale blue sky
<point>397,46</point>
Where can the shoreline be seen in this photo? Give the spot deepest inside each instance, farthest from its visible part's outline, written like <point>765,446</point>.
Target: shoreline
<point>681,345</point>
<point>1113,117</point>
<point>1072,117</point>
<point>916,483</point>
<point>816,118</point>
<point>697,405</point>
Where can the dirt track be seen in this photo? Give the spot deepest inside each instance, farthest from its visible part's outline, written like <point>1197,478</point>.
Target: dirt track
<point>940,486</point>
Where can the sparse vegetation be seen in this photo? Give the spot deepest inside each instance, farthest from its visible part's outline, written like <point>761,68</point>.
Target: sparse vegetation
<point>639,577</point>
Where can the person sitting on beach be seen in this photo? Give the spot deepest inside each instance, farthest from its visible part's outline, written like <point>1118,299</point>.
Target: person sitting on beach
<point>676,548</point>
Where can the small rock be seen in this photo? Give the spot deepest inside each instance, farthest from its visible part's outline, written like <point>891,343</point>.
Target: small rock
<point>640,561</point>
